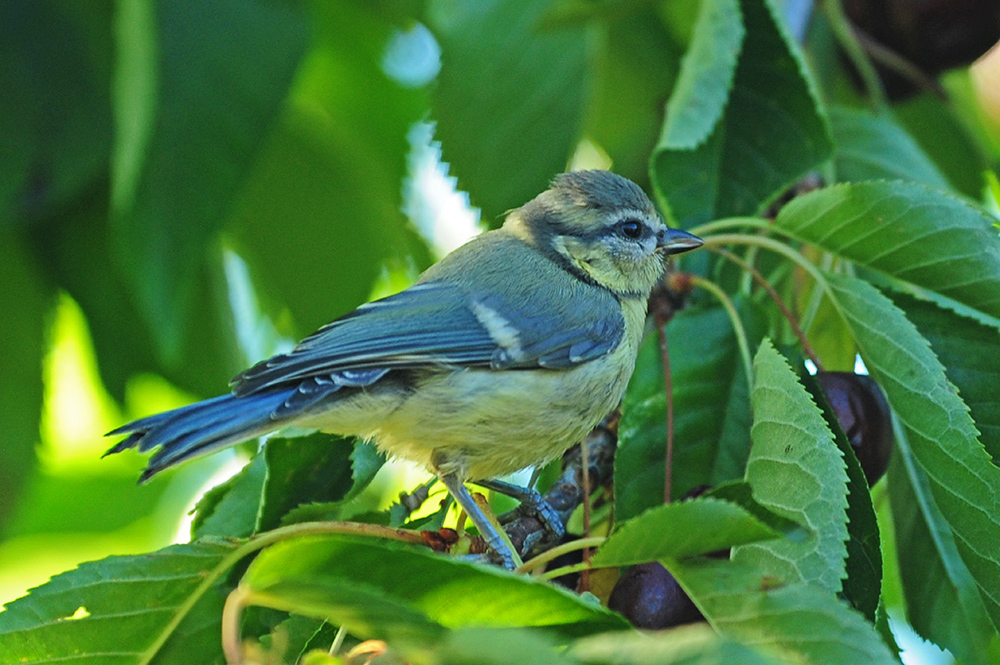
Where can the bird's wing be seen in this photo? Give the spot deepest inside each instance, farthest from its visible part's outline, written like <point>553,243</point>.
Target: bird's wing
<point>438,323</point>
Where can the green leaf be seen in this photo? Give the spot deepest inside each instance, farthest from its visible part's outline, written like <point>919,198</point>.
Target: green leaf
<point>366,610</point>
<point>908,232</point>
<point>831,338</point>
<point>962,478</point>
<point>25,301</point>
<point>932,122</point>
<point>863,583</point>
<point>301,470</point>
<point>706,77</point>
<point>232,509</point>
<point>740,493</point>
<point>694,644</point>
<point>158,604</point>
<point>798,622</point>
<point>220,74</point>
<point>796,470</point>
<point>711,411</point>
<point>370,585</point>
<point>635,68</point>
<point>942,601</point>
<point>970,353</point>
<point>500,646</point>
<point>870,147</point>
<point>366,460</point>
<point>325,194</point>
<point>55,111</point>
<point>510,98</point>
<point>677,530</point>
<point>772,131</point>
<point>301,634</point>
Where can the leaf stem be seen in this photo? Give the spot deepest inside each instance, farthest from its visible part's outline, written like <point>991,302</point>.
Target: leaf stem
<point>732,222</point>
<point>559,550</point>
<point>231,646</point>
<point>259,542</point>
<point>843,31</point>
<point>816,295</point>
<point>565,570</point>
<point>338,641</point>
<point>785,311</point>
<point>771,244</point>
<point>741,335</point>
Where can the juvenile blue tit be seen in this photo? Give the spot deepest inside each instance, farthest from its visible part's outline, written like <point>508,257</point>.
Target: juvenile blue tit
<point>502,355</point>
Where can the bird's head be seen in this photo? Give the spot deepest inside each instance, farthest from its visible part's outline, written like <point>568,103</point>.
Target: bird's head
<point>603,228</point>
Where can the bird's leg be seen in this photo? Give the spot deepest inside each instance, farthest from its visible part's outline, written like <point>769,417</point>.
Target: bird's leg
<point>494,540</point>
<point>531,502</point>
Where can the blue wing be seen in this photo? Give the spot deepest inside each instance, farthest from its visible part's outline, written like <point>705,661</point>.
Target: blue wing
<point>554,322</point>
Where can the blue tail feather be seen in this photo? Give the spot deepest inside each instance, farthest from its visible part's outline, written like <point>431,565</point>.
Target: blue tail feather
<point>201,428</point>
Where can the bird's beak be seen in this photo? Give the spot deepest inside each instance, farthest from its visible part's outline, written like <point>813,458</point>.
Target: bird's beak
<point>675,241</point>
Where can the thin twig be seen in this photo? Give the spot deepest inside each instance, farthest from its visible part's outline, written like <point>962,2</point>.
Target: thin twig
<point>785,311</point>
<point>668,389</point>
<point>232,647</point>
<point>585,483</point>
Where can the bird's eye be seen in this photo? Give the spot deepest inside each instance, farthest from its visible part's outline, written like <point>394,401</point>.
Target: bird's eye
<point>630,229</point>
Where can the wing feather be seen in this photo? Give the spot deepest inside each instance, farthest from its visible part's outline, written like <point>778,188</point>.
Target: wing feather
<point>442,323</point>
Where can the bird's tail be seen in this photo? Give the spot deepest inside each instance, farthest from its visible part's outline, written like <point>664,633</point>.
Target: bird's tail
<point>200,428</point>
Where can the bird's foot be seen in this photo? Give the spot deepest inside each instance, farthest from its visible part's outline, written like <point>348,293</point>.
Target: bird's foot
<point>532,504</point>
<point>499,549</point>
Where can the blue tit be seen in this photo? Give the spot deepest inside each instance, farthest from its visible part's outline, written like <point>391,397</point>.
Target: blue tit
<point>501,356</point>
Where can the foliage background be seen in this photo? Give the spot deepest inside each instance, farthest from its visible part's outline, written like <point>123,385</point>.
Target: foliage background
<point>187,186</point>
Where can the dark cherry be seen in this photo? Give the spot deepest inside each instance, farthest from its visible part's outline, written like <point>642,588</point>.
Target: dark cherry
<point>863,413</point>
<point>649,597</point>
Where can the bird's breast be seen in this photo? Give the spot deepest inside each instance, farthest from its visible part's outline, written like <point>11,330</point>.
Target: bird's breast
<point>482,423</point>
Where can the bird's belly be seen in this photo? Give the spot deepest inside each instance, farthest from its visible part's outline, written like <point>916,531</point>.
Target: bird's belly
<point>479,423</point>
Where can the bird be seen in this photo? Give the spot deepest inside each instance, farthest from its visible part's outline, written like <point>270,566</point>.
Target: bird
<point>501,356</point>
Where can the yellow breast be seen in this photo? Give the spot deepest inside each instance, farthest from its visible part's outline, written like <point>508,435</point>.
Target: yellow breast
<point>480,423</point>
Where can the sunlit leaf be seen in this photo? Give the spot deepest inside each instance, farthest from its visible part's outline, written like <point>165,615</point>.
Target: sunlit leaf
<point>676,530</point>
<point>799,622</point>
<point>962,478</point>
<point>382,588</point>
<point>158,604</point>
<point>771,132</point>
<point>796,470</point>
<point>907,231</point>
